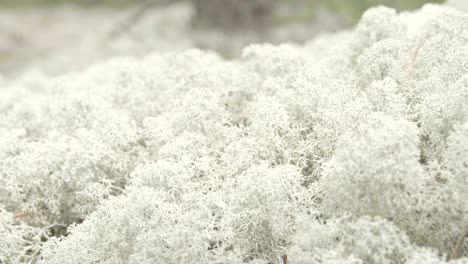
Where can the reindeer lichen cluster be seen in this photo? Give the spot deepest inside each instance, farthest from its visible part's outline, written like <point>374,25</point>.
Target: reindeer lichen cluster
<point>352,148</point>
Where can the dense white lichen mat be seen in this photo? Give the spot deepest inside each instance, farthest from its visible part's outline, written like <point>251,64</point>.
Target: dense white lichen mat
<point>352,148</point>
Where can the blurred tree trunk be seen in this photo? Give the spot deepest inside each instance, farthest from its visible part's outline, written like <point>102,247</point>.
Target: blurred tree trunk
<point>234,14</point>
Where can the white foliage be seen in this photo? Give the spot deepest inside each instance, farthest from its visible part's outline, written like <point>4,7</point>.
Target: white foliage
<point>349,149</point>
<point>378,165</point>
<point>17,239</point>
<point>347,240</point>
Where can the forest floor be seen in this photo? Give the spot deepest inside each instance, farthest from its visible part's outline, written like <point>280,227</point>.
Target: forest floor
<point>56,40</point>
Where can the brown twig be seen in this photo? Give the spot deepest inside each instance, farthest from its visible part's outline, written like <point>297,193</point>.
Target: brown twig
<point>458,246</point>
<point>125,25</point>
<point>413,56</point>
<point>19,215</point>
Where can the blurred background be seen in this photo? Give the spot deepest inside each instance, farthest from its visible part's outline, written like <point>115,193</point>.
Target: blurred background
<point>57,36</point>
